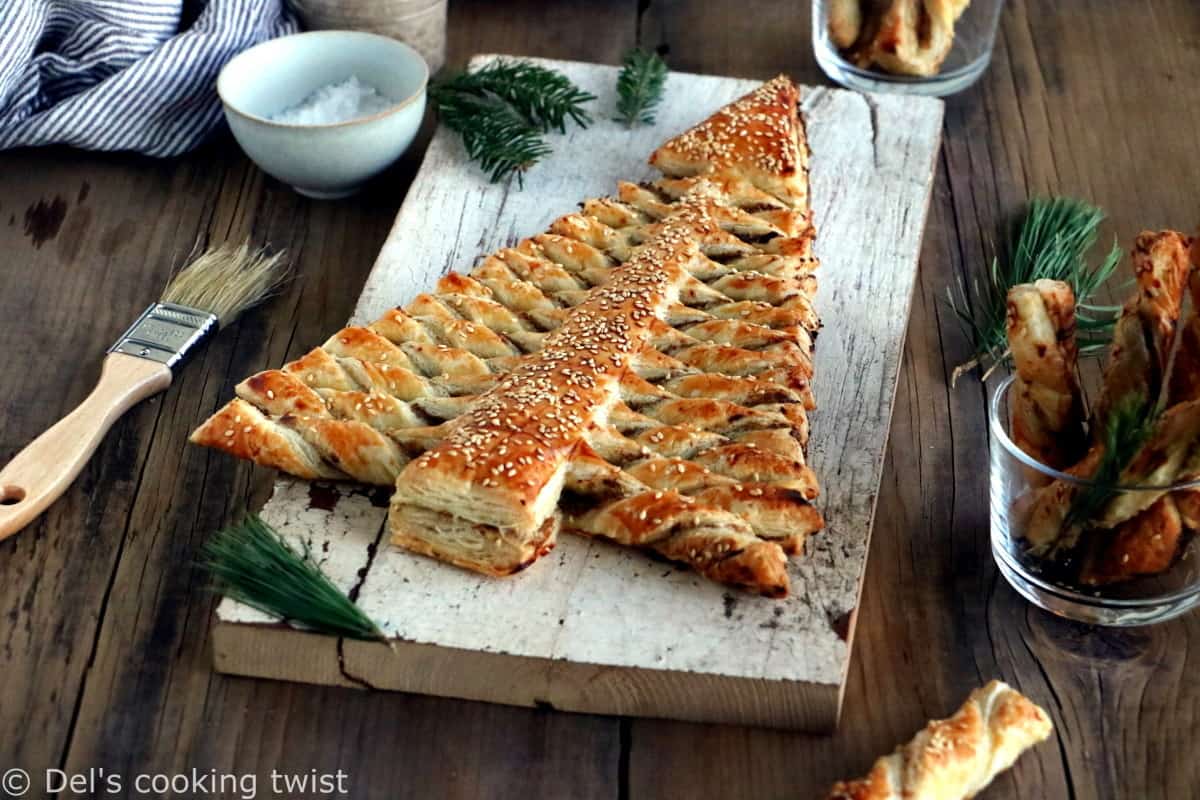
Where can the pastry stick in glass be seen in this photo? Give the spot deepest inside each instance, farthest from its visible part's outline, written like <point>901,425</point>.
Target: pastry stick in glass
<point>1141,351</point>
<point>1047,407</point>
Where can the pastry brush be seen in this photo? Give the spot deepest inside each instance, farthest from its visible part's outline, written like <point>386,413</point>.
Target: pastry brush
<point>201,299</point>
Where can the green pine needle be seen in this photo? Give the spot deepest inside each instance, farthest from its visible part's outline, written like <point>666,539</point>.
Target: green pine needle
<point>1053,240</point>
<point>254,565</point>
<point>640,86</point>
<point>1126,428</point>
<point>503,110</point>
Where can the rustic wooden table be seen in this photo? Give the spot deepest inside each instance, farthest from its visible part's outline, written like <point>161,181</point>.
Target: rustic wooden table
<point>105,620</point>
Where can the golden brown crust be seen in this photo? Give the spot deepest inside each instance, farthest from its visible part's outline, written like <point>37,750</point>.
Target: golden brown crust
<point>1143,545</point>
<point>1144,334</point>
<point>757,137</point>
<point>956,758</point>
<point>714,541</point>
<point>506,453</point>
<point>242,431</point>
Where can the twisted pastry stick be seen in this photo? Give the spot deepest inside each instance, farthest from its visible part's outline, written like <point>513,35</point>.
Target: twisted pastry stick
<point>1147,525</point>
<point>1047,409</point>
<point>1185,385</point>
<point>1145,333</point>
<point>956,758</point>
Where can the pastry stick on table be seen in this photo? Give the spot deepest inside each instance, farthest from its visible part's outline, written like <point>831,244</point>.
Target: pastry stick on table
<point>956,758</point>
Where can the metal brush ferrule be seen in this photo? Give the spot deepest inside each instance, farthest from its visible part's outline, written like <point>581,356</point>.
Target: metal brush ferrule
<point>166,333</point>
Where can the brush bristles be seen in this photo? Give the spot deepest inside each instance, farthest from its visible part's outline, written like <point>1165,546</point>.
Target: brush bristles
<point>227,280</point>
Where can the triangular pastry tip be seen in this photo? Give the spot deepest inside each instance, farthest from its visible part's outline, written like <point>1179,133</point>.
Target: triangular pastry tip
<point>758,137</point>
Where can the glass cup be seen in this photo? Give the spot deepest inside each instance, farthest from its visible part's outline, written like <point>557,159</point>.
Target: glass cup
<point>1096,580</point>
<point>969,55</point>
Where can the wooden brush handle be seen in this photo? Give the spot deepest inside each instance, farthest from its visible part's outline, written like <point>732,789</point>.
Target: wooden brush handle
<point>40,473</point>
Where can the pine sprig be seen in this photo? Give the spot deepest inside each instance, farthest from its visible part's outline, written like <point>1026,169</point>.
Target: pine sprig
<point>640,86</point>
<point>1053,240</point>
<point>495,134</point>
<point>1128,425</point>
<point>503,110</point>
<point>254,565</point>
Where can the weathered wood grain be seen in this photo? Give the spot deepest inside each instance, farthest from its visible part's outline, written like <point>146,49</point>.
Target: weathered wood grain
<point>1088,96</point>
<point>586,633</point>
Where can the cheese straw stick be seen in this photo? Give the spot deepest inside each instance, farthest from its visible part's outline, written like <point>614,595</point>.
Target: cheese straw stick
<point>1047,410</point>
<point>956,758</point>
<point>1185,385</point>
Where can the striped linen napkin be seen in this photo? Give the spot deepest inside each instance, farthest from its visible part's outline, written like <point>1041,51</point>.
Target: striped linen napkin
<point>120,74</point>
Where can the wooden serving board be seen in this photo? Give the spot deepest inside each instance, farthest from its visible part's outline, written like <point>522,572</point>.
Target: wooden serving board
<point>593,627</point>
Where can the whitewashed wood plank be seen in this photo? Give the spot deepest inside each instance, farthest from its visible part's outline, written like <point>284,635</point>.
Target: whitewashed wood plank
<point>593,614</point>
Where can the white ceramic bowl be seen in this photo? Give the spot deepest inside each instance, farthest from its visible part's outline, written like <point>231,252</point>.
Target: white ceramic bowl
<point>331,160</point>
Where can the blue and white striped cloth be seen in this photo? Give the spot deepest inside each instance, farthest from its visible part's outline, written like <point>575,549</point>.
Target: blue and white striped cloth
<point>120,74</point>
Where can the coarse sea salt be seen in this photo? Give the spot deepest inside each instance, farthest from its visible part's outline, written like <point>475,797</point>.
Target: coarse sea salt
<point>335,102</point>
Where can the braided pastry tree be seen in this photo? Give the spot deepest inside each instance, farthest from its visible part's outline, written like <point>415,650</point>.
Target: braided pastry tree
<point>711,404</point>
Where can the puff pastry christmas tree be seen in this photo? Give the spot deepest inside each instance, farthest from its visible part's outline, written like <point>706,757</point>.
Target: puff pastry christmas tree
<point>485,402</point>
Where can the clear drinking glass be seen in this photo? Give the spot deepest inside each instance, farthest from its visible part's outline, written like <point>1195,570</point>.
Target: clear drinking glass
<point>1071,585</point>
<point>974,37</point>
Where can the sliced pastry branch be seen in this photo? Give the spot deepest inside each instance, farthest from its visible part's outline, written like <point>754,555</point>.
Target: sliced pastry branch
<point>640,373</point>
<point>1120,519</point>
<point>956,758</point>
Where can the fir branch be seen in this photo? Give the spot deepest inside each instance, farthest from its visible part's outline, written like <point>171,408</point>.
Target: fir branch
<point>1053,239</point>
<point>1126,428</point>
<point>254,565</point>
<point>495,135</point>
<point>544,97</point>
<point>502,110</point>
<point>640,86</point>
